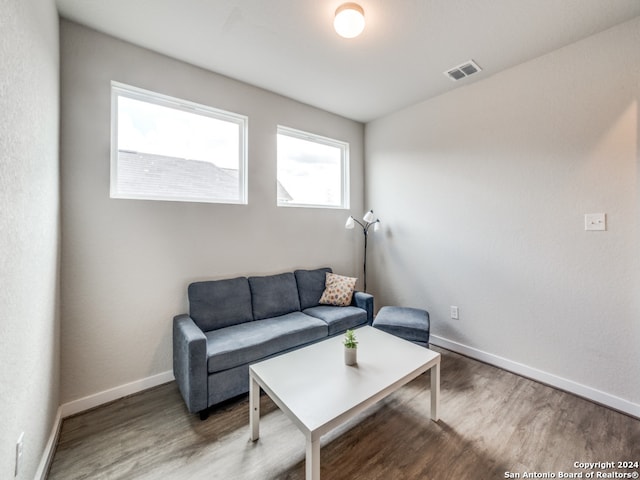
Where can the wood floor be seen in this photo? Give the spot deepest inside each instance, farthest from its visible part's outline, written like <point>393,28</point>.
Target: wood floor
<point>492,423</point>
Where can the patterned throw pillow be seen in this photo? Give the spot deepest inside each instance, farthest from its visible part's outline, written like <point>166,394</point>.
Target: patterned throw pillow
<point>338,290</point>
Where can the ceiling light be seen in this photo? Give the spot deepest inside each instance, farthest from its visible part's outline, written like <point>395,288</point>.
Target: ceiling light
<point>349,21</point>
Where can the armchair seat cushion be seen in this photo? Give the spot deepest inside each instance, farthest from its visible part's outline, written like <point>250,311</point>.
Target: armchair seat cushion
<point>252,341</point>
<point>338,319</point>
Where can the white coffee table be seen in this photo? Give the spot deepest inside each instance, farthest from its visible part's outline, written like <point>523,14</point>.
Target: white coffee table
<point>319,392</point>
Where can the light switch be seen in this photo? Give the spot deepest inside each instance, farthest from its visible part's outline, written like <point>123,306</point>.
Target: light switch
<point>595,221</point>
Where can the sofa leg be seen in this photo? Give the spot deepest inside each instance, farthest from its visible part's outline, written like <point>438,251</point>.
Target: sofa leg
<point>204,414</point>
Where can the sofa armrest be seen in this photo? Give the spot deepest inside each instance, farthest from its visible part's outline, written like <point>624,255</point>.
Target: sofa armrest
<point>365,301</point>
<point>190,362</point>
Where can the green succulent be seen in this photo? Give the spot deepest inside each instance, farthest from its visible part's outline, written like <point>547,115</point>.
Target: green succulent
<point>350,339</point>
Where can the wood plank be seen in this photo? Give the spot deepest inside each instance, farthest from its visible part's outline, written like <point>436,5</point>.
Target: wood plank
<point>491,422</point>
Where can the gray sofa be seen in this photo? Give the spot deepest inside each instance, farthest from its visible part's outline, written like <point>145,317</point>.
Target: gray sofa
<point>235,322</point>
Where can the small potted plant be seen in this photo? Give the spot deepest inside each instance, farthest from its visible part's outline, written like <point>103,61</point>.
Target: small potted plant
<point>350,348</point>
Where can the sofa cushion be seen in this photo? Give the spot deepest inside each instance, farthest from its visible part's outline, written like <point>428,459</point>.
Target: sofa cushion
<point>274,295</point>
<point>220,303</point>
<point>338,290</point>
<point>310,286</point>
<point>338,319</point>
<point>248,342</point>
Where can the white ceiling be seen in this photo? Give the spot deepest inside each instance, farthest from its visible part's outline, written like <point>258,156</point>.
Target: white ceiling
<point>289,46</point>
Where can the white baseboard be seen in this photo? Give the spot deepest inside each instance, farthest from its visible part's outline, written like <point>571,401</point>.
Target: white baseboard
<point>92,401</point>
<point>100,398</point>
<point>50,448</point>
<point>597,396</point>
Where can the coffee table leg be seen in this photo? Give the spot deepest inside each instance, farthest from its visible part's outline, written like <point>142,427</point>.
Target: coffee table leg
<point>313,459</point>
<point>435,391</point>
<point>254,408</point>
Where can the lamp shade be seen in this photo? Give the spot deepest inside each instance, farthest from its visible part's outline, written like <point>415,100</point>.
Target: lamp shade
<point>350,223</point>
<point>349,20</point>
<point>376,226</point>
<point>368,217</point>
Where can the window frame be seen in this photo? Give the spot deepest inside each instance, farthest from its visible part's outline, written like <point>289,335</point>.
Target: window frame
<point>119,89</point>
<point>344,147</point>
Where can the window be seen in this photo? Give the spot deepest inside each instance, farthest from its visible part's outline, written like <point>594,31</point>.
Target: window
<point>163,148</point>
<point>312,170</point>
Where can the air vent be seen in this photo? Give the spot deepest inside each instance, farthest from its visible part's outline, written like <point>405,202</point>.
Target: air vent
<point>464,70</point>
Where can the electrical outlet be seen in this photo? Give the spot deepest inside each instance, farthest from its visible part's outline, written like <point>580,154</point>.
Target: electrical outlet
<point>454,313</point>
<point>595,221</point>
<point>19,450</point>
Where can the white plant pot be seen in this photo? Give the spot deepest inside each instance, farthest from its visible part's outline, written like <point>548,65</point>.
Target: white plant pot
<point>350,356</point>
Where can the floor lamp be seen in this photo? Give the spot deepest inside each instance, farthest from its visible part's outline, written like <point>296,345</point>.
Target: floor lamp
<point>368,220</point>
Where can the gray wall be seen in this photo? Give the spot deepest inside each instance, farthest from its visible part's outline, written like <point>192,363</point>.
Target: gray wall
<point>126,264</point>
<point>483,192</point>
<point>29,230</point>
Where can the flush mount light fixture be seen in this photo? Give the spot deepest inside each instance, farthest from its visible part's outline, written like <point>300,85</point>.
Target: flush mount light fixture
<point>349,21</point>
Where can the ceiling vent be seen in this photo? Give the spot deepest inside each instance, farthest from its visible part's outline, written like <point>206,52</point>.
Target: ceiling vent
<point>464,70</point>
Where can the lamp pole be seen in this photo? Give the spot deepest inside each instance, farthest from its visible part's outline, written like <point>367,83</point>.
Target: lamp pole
<point>368,220</point>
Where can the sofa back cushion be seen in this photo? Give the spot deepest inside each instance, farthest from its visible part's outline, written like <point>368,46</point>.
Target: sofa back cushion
<point>274,295</point>
<point>311,284</point>
<point>220,303</point>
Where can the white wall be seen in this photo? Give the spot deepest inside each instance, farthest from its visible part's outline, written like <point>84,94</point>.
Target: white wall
<point>29,230</point>
<point>126,264</point>
<point>483,192</point>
